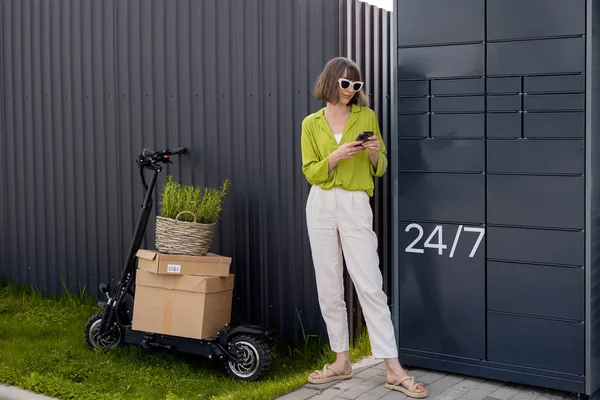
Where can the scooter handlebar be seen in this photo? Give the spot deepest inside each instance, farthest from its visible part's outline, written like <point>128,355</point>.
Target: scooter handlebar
<point>149,157</point>
<point>178,150</point>
<point>147,153</point>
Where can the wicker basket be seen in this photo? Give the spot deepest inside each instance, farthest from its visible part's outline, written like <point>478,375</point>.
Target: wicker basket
<point>181,237</point>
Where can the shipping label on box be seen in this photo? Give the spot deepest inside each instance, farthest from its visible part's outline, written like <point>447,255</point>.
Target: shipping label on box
<point>174,269</point>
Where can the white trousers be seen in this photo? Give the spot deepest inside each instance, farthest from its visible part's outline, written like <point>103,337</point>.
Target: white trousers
<point>340,220</point>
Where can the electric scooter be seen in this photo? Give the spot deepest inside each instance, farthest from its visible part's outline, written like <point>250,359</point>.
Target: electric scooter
<point>244,350</point>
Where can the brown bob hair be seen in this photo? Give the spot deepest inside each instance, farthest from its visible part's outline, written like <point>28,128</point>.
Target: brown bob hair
<point>326,85</point>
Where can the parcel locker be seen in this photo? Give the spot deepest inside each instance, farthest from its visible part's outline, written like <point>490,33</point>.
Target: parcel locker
<point>496,164</point>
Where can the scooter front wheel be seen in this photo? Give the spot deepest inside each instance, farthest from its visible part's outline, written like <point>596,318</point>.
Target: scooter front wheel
<point>255,358</point>
<point>92,334</point>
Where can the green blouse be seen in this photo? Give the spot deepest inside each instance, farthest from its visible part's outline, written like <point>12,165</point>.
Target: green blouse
<point>317,142</point>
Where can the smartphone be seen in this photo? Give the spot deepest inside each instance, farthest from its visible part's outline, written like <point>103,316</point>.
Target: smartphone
<point>364,136</point>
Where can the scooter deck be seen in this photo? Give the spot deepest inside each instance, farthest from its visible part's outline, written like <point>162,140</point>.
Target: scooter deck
<point>201,347</point>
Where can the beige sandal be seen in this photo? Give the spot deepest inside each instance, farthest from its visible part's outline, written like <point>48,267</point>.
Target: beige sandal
<point>412,386</point>
<point>323,379</point>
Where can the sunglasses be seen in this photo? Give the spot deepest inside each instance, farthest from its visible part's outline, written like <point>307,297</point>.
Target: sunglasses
<point>345,84</point>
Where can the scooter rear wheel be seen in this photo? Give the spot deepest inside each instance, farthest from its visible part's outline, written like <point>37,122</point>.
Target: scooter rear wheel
<point>255,357</point>
<point>93,339</point>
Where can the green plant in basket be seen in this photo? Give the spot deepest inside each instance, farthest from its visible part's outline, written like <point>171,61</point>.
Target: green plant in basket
<point>187,217</point>
<point>205,203</point>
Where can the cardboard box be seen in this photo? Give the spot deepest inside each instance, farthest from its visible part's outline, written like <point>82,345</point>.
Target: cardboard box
<point>182,305</point>
<point>175,264</point>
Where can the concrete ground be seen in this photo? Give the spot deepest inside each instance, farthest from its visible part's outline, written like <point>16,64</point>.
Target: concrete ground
<point>14,393</point>
<point>369,377</point>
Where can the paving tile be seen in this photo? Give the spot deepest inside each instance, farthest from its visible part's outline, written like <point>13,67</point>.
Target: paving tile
<point>490,386</point>
<point>329,394</point>
<point>417,372</point>
<point>365,363</point>
<point>380,366</point>
<point>470,383</point>
<point>443,383</point>
<point>320,386</point>
<point>379,391</point>
<point>368,384</point>
<point>348,383</point>
<point>475,394</point>
<point>364,387</point>
<point>452,393</point>
<point>559,395</point>
<point>553,396</point>
<point>522,395</point>
<point>369,373</point>
<point>378,379</point>
<point>395,395</point>
<point>538,391</point>
<point>504,393</point>
<point>366,396</point>
<point>456,377</point>
<point>302,394</point>
<point>429,377</point>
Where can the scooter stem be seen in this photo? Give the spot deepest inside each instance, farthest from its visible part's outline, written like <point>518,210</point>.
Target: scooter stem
<point>140,228</point>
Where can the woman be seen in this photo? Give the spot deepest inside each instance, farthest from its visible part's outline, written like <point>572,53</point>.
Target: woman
<point>339,219</point>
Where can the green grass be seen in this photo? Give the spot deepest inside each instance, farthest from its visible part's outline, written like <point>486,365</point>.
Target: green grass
<point>42,349</point>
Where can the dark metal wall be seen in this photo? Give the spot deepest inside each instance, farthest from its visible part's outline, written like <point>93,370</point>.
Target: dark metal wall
<point>85,85</point>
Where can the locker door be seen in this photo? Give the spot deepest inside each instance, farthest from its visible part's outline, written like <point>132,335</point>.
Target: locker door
<point>441,162</point>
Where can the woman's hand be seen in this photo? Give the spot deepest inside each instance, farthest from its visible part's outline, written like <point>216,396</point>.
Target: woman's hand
<point>348,150</point>
<point>344,152</point>
<point>372,145</point>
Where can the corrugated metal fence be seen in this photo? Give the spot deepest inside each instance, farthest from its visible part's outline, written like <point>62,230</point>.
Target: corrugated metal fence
<point>86,85</point>
<point>366,39</point>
